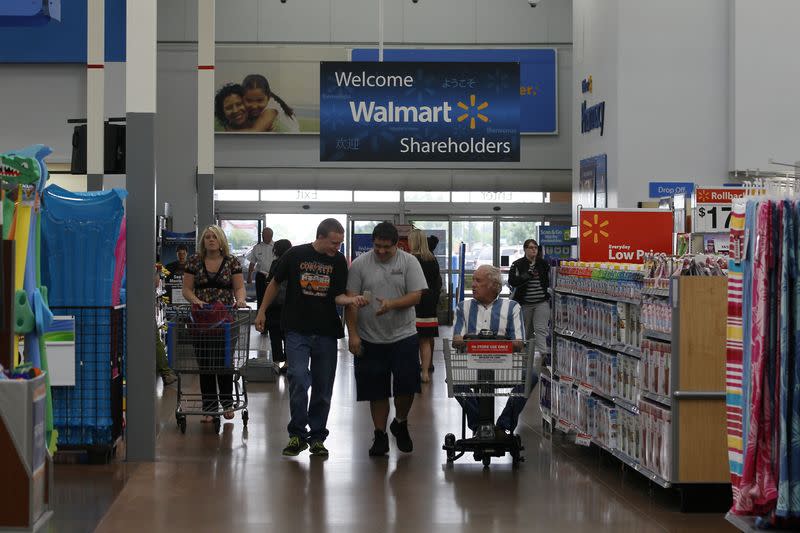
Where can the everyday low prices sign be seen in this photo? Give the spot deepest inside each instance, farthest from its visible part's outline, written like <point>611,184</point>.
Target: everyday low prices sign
<point>712,213</point>
<point>399,111</point>
<point>623,235</point>
<point>490,355</point>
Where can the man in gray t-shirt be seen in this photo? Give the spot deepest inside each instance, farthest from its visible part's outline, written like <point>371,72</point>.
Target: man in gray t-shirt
<point>383,335</point>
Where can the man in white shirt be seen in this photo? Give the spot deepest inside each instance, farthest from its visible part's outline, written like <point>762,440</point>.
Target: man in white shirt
<point>260,258</point>
<point>487,311</point>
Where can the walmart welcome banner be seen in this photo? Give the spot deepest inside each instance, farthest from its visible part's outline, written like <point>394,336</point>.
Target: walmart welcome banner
<point>395,111</point>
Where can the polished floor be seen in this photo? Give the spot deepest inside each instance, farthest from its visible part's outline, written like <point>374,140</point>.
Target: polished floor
<point>238,481</point>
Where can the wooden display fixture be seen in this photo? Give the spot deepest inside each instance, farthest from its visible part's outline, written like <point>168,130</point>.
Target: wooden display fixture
<point>7,302</point>
<point>699,432</point>
<point>24,460</point>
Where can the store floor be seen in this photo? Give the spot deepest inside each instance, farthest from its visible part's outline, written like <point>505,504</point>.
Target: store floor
<point>238,480</point>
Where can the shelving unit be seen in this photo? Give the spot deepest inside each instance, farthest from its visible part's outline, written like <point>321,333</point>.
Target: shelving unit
<point>694,408</point>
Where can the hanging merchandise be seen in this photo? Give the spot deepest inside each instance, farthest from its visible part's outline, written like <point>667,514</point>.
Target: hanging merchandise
<point>84,236</point>
<point>763,402</point>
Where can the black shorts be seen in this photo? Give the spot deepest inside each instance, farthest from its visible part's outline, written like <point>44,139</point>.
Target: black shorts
<point>384,369</point>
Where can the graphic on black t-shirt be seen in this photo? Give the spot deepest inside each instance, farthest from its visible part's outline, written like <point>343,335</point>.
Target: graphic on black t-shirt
<point>315,278</point>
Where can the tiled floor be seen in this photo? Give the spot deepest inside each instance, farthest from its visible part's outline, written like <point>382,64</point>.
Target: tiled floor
<point>238,480</point>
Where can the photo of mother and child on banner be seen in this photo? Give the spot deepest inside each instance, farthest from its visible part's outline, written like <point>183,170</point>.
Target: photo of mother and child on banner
<point>251,106</point>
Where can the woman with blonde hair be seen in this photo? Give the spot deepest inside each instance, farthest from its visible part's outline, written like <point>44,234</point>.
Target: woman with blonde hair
<point>214,275</point>
<point>427,323</point>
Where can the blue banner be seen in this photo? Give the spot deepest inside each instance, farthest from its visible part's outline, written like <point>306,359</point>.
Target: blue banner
<point>46,38</point>
<point>362,243</point>
<point>419,112</point>
<point>538,77</point>
<point>659,189</point>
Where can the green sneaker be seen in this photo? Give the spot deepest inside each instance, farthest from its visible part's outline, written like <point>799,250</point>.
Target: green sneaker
<point>318,449</point>
<point>295,446</point>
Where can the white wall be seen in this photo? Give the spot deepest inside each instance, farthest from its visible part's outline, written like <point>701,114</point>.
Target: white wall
<point>356,21</point>
<point>765,84</point>
<point>595,49</point>
<point>673,94</point>
<point>39,99</point>
<point>663,69</point>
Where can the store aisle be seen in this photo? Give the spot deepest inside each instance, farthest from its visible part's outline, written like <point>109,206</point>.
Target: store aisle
<point>238,481</point>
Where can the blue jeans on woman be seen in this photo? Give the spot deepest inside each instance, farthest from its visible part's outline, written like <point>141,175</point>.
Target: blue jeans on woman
<point>309,420</point>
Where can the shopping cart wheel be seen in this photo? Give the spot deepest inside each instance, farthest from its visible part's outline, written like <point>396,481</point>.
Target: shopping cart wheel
<point>487,460</point>
<point>245,417</point>
<point>449,447</point>
<point>217,424</point>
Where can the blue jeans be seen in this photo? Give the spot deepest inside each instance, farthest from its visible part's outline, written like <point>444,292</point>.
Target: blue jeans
<point>508,419</point>
<point>309,420</point>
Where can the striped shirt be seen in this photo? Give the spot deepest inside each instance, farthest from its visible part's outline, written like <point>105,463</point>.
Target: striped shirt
<point>502,316</point>
<point>534,293</point>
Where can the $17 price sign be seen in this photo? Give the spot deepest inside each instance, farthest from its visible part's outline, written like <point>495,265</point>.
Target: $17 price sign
<point>712,218</point>
<point>713,211</point>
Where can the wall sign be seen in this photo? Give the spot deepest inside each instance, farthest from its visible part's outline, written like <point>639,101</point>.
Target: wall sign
<point>660,189</point>
<point>538,77</point>
<point>395,111</point>
<point>712,212</point>
<point>586,85</point>
<point>556,241</point>
<point>593,181</point>
<point>623,235</point>
<point>593,117</point>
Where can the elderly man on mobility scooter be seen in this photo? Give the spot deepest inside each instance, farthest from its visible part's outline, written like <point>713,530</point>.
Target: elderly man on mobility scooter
<point>486,316</point>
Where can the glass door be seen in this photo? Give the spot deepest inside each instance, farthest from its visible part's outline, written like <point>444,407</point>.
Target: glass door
<point>513,233</point>
<point>478,236</point>
<point>360,227</point>
<point>242,235</point>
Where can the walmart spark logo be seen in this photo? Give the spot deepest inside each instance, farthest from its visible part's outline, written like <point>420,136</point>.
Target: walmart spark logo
<point>595,229</point>
<point>471,107</point>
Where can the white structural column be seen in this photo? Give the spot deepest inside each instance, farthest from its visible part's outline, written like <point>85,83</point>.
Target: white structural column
<point>140,106</point>
<point>205,113</point>
<point>95,93</point>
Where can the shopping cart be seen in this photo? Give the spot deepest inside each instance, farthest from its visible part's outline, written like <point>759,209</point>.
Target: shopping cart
<point>486,366</point>
<point>213,340</point>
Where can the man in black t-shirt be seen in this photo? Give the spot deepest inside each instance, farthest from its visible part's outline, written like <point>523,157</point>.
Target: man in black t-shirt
<point>316,279</point>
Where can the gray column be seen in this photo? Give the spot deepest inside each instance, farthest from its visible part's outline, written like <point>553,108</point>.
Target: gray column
<point>140,96</point>
<point>205,113</point>
<point>95,94</point>
<point>205,202</point>
<point>94,182</point>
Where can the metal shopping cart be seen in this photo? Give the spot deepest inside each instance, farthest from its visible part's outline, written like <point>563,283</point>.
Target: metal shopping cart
<point>486,366</point>
<point>209,341</point>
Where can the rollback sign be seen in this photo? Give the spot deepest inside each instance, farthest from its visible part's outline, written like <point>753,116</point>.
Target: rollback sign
<point>397,111</point>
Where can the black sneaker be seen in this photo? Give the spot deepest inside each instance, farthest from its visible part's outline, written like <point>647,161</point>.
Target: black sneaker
<point>295,446</point>
<point>400,431</point>
<point>318,449</point>
<point>380,446</point>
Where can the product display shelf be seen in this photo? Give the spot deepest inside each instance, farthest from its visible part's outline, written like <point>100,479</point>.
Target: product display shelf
<point>658,335</point>
<point>698,449</point>
<point>653,291</point>
<point>743,523</point>
<point>604,297</point>
<point>625,404</point>
<point>634,464</point>
<point>626,349</point>
<point>583,386</point>
<point>657,398</point>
